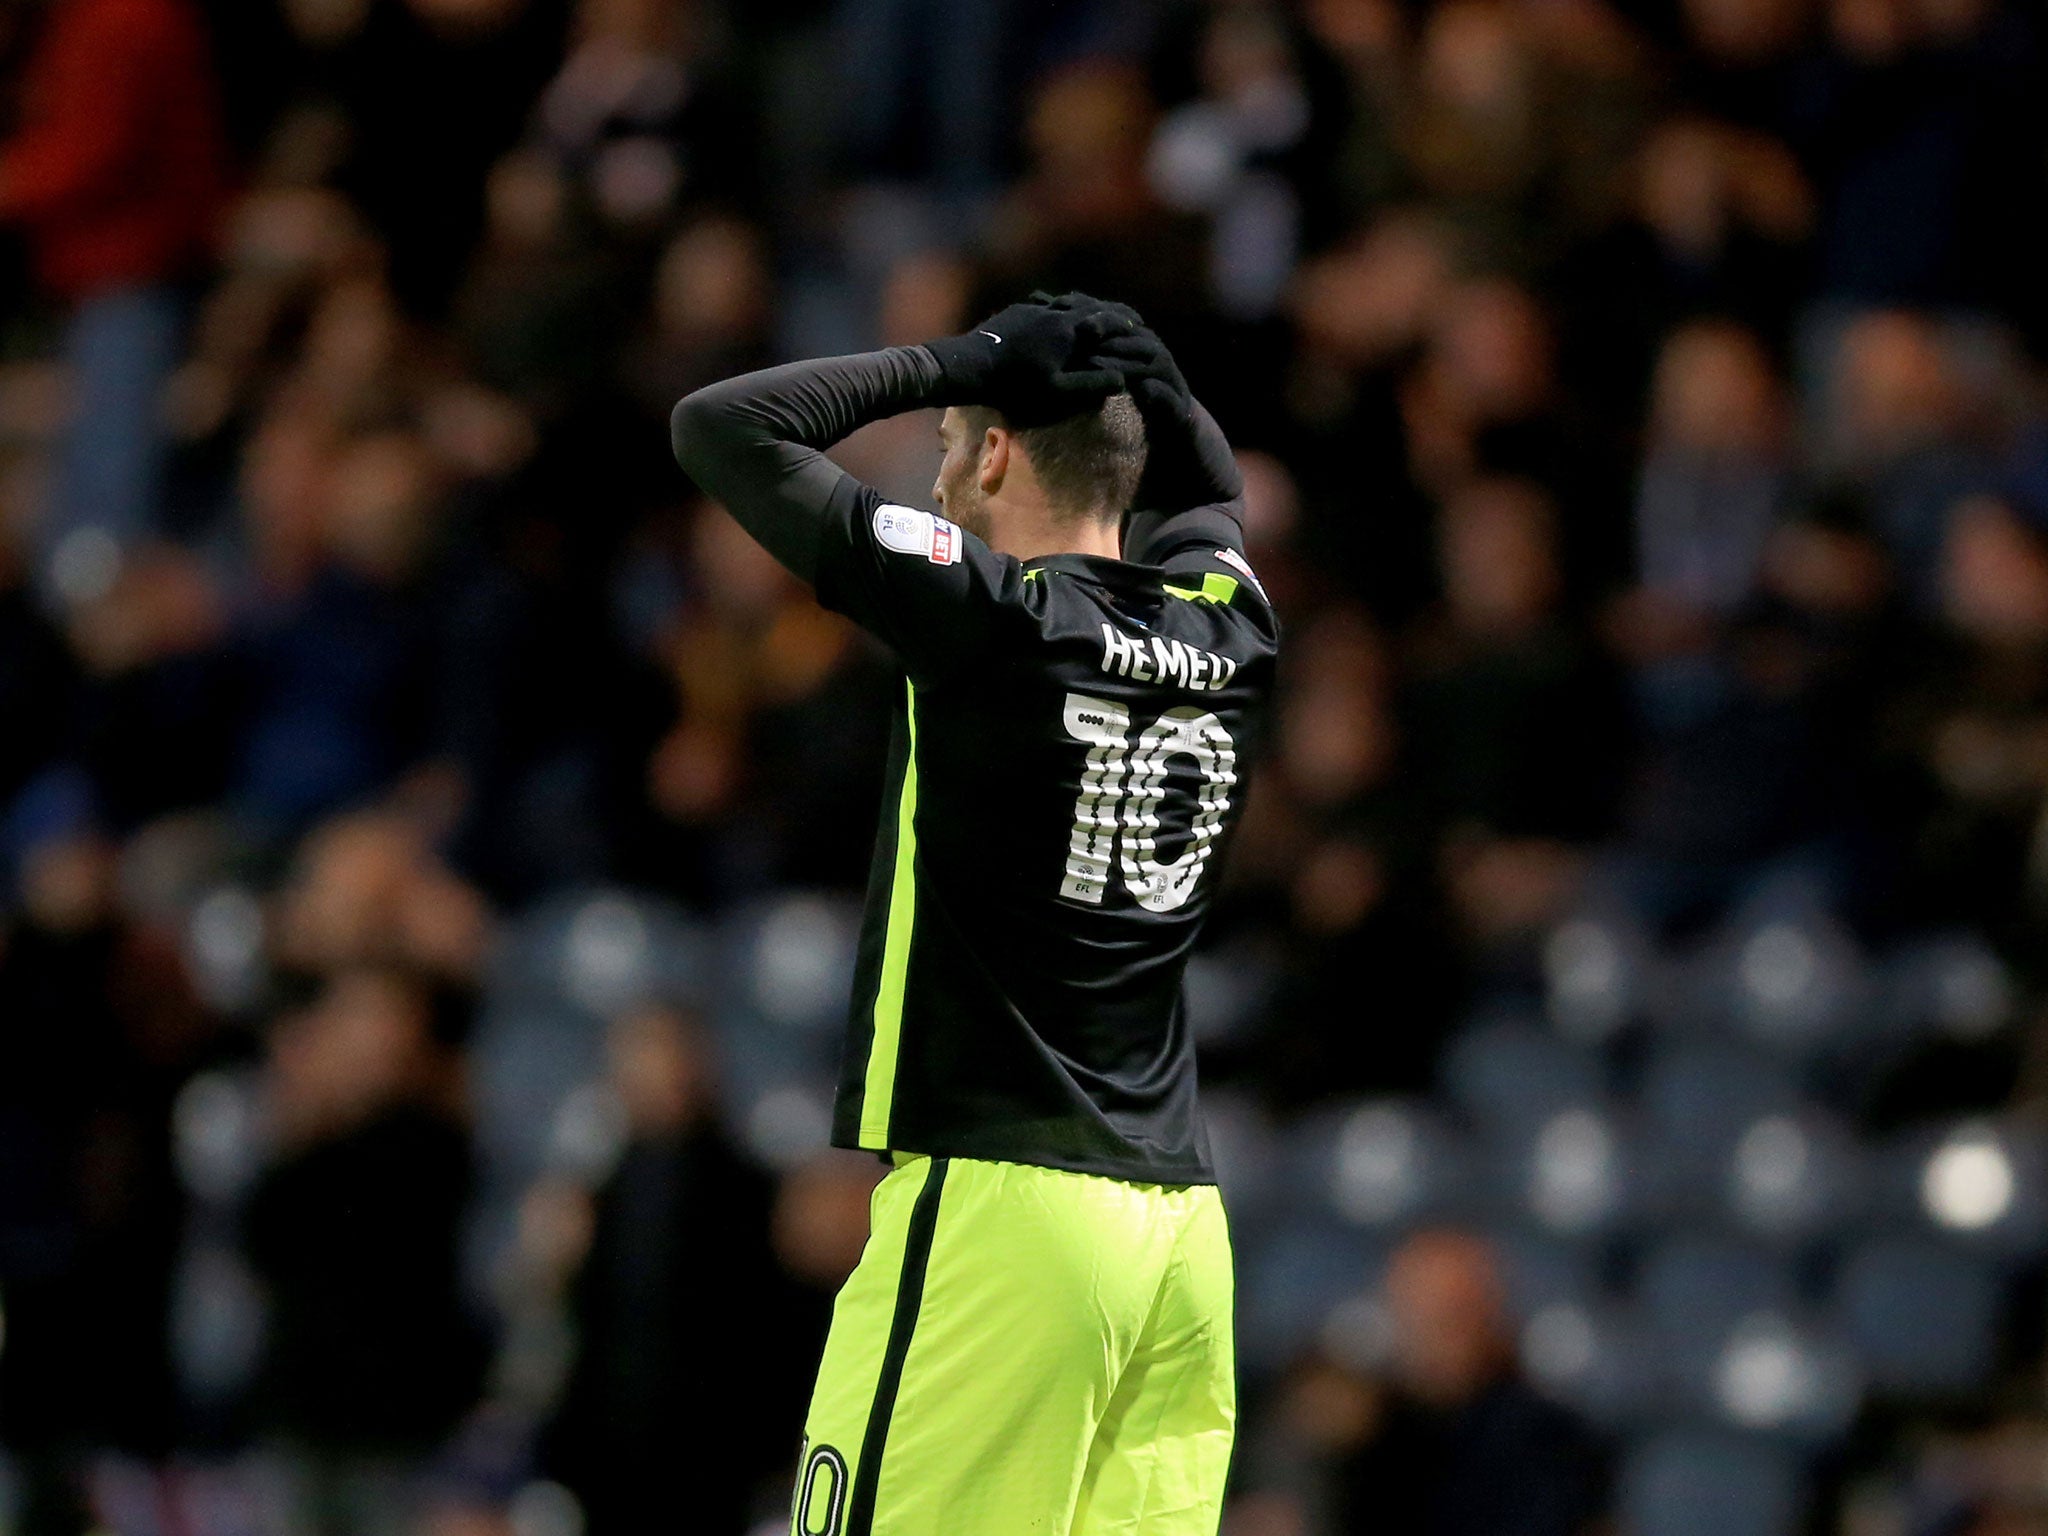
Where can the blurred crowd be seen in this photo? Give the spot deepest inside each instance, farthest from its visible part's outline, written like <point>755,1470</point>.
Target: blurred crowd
<point>429,832</point>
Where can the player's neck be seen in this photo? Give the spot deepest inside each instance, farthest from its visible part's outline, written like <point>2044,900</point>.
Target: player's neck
<point>1033,533</point>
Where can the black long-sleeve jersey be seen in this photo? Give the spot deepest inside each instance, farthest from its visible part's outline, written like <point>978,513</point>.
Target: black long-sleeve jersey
<point>1067,770</point>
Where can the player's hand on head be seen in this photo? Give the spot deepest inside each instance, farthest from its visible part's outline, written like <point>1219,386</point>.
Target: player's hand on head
<point>1036,360</point>
<point>1178,470</point>
<point>1134,352</point>
<point>1147,369</point>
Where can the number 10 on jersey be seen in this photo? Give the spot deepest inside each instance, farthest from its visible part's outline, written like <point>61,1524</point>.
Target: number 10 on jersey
<point>1123,790</point>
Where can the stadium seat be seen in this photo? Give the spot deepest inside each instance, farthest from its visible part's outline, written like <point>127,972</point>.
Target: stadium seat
<point>1592,1356</point>
<point>1979,1185</point>
<point>786,1120</point>
<point>1922,1317</point>
<point>1693,1291</point>
<point>1783,976</point>
<point>1597,972</point>
<point>1507,1077</point>
<point>790,962</point>
<point>1797,983</point>
<point>1291,1280</point>
<point>524,1066</point>
<point>1793,1178</point>
<point>602,951</point>
<point>1575,1176</point>
<point>1696,1099</point>
<point>1543,1271</point>
<point>1382,1164</point>
<point>1777,1375</point>
<point>1950,984</point>
<point>1705,1483</point>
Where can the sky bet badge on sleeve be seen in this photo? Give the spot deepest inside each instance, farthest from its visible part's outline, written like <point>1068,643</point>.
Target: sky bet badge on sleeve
<point>911,532</point>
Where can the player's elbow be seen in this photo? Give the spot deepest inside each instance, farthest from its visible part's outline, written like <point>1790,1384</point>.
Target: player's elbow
<point>693,427</point>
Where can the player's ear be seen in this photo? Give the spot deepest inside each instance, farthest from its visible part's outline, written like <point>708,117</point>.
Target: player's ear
<point>994,465</point>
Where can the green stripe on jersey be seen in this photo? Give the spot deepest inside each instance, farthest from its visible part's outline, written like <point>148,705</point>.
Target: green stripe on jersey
<point>1215,588</point>
<point>879,1096</point>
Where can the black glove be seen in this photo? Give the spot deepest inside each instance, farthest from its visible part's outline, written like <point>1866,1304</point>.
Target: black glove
<point>1136,354</point>
<point>1034,361</point>
<point>1153,378</point>
<point>1189,462</point>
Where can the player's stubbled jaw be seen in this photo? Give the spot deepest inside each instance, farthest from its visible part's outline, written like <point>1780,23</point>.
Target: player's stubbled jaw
<point>957,489</point>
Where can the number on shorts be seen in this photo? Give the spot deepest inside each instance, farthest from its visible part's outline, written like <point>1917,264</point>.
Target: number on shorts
<point>815,1503</point>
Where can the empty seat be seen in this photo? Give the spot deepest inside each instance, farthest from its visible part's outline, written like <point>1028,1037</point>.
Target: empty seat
<point>1923,1318</point>
<point>1792,1177</point>
<point>1703,1483</point>
<point>1594,1357</point>
<point>1542,1271</point>
<point>1382,1164</point>
<point>1798,983</point>
<point>1696,1101</point>
<point>791,961</point>
<point>1777,1375</point>
<point>523,1067</point>
<point>1291,1279</point>
<point>1979,1184</point>
<point>1596,969</point>
<point>1508,1077</point>
<point>1692,1292</point>
<point>1574,1176</point>
<point>1708,1093</point>
<point>601,951</point>
<point>1785,977</point>
<point>787,1120</point>
<point>1947,984</point>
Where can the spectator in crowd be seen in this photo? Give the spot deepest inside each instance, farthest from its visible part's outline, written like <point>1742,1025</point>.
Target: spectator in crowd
<point>1510,710</point>
<point>1716,474</point>
<point>372,1355</point>
<point>1976,722</point>
<point>1715,228</point>
<point>760,677</point>
<point>684,1376</point>
<point>117,172</point>
<point>641,118</point>
<point>1253,152</point>
<point>1084,215</point>
<point>1336,840</point>
<point>95,1028</point>
<point>1462,1447</point>
<point>1907,432</point>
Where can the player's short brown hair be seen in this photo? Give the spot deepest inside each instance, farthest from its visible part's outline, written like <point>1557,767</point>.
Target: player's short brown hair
<point>1088,463</point>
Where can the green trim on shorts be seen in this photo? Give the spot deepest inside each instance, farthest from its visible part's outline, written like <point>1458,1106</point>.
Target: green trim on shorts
<point>917,1253</point>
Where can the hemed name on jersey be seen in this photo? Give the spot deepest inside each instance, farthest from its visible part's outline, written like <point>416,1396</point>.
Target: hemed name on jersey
<point>1157,659</point>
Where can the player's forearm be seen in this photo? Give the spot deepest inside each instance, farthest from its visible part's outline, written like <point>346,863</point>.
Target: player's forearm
<point>753,442</point>
<point>1193,494</point>
<point>810,404</point>
<point>1212,477</point>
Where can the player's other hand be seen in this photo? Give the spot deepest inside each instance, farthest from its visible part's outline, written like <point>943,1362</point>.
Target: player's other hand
<point>1154,379</point>
<point>1136,355</point>
<point>1036,361</point>
<point>1133,351</point>
<point>1179,472</point>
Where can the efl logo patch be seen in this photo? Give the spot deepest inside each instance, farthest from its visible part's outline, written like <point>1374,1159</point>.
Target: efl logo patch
<point>911,532</point>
